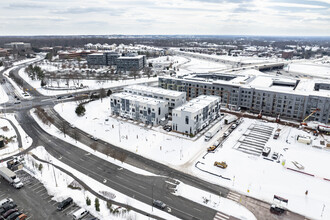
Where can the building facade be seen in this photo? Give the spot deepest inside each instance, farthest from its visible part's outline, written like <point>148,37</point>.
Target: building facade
<point>131,63</point>
<point>289,98</point>
<point>196,114</point>
<point>97,59</point>
<point>173,98</point>
<point>111,58</point>
<point>139,108</point>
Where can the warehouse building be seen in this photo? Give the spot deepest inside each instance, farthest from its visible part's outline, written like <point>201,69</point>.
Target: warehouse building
<point>139,108</point>
<point>173,98</point>
<point>256,92</point>
<point>196,114</point>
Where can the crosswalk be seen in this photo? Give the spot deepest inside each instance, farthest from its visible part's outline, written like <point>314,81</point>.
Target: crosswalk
<point>234,196</point>
<point>220,216</point>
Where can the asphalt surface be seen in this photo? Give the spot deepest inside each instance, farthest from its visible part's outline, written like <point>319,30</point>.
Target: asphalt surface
<point>140,187</point>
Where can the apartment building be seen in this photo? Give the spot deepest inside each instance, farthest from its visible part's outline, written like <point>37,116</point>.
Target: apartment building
<point>139,108</point>
<point>253,91</point>
<point>196,114</point>
<point>173,98</point>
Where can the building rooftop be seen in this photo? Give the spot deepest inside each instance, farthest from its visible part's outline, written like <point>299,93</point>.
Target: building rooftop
<point>130,58</point>
<point>197,103</point>
<point>139,98</point>
<point>155,90</point>
<point>258,80</point>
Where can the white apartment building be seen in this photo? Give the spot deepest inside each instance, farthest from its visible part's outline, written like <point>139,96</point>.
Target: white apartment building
<point>140,108</point>
<point>196,114</point>
<point>174,98</point>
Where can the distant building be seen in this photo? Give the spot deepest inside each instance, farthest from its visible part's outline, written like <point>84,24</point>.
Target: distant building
<point>111,58</point>
<point>3,52</point>
<point>130,63</point>
<point>139,108</point>
<point>287,54</point>
<point>173,98</point>
<point>74,54</point>
<point>196,114</point>
<point>97,59</point>
<point>20,46</point>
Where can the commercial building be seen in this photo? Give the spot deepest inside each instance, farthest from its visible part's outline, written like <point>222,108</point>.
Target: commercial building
<point>196,114</point>
<point>251,90</point>
<point>131,63</point>
<point>139,108</point>
<point>97,59</point>
<point>111,58</point>
<point>20,46</point>
<point>173,98</point>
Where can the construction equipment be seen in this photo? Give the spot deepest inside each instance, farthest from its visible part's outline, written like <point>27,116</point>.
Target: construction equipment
<point>222,164</point>
<point>303,122</point>
<point>213,147</point>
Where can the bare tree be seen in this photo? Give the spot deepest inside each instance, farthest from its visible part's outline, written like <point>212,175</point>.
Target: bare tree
<point>147,71</point>
<point>134,73</point>
<point>103,94</point>
<point>93,146</point>
<point>76,135</point>
<point>63,128</point>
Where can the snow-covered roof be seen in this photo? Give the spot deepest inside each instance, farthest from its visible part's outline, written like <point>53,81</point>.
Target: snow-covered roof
<point>154,90</point>
<point>198,103</point>
<point>130,58</point>
<point>138,98</point>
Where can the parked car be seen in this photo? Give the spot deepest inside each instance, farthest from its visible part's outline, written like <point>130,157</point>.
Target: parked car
<point>59,97</point>
<point>17,102</point>
<point>80,214</point>
<point>276,209</point>
<point>94,138</point>
<point>275,156</point>
<point>65,203</point>
<point>6,207</point>
<point>5,201</point>
<point>266,151</point>
<point>21,217</point>
<point>167,128</point>
<point>7,213</point>
<point>226,134</point>
<point>14,215</point>
<point>233,126</point>
<point>159,204</point>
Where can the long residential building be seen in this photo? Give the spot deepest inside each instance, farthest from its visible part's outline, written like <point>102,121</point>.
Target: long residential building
<point>256,92</point>
<point>196,114</point>
<point>173,98</point>
<point>139,108</point>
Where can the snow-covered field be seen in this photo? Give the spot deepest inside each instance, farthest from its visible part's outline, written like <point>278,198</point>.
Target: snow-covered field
<point>59,188</point>
<point>200,66</point>
<point>91,84</point>
<point>12,147</point>
<point>262,179</point>
<point>155,143</point>
<point>310,69</point>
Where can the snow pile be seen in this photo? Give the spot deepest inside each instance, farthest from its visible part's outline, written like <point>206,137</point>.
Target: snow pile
<point>3,95</point>
<point>213,201</point>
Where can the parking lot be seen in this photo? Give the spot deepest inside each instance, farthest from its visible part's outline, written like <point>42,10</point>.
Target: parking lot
<point>34,201</point>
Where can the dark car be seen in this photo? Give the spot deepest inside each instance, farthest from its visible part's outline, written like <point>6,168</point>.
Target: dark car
<point>276,210</point>
<point>7,206</point>
<point>9,212</point>
<point>14,215</point>
<point>159,204</point>
<point>65,203</point>
<point>59,97</point>
<point>275,156</point>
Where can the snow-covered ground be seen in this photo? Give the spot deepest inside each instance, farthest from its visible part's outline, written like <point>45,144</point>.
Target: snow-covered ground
<point>91,84</point>
<point>156,144</point>
<point>60,190</point>
<point>214,201</point>
<point>309,69</point>
<point>3,95</point>
<point>12,147</point>
<point>200,66</point>
<point>262,179</point>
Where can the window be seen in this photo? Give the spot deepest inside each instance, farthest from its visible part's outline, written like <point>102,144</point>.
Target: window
<point>187,120</point>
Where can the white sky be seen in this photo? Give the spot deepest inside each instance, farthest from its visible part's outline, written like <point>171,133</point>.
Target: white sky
<point>216,17</point>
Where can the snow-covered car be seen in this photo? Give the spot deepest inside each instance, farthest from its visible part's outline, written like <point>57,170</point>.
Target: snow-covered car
<point>275,156</point>
<point>276,209</point>
<point>266,151</point>
<point>226,134</point>
<point>94,138</point>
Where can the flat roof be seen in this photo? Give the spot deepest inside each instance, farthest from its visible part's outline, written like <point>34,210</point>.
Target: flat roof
<point>197,103</point>
<point>155,90</point>
<point>131,58</point>
<point>139,98</point>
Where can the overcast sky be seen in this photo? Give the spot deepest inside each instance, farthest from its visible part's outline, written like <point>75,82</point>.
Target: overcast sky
<point>216,17</point>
